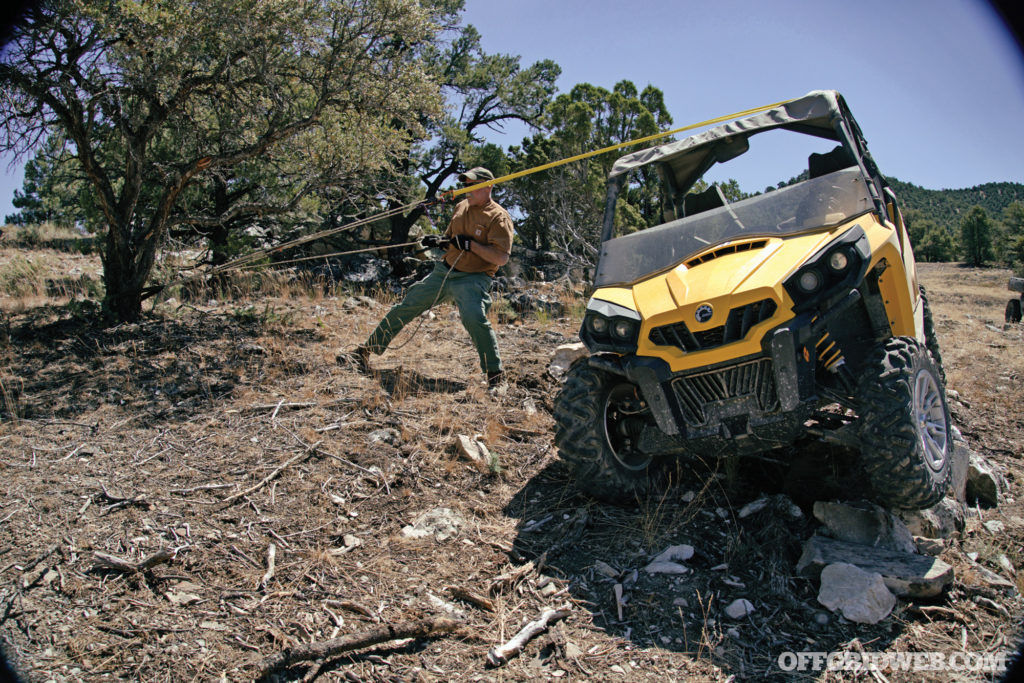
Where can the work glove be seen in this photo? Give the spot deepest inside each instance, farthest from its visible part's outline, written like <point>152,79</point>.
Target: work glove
<point>435,241</point>
<point>462,242</point>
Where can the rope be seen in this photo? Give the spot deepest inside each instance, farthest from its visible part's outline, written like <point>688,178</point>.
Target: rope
<point>611,148</point>
<point>447,195</point>
<point>422,316</point>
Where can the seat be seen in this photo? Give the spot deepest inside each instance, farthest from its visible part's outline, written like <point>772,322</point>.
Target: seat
<point>696,202</point>
<point>830,162</point>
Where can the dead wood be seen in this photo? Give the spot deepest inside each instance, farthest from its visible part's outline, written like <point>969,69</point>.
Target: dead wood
<point>472,598</point>
<point>500,655</point>
<point>271,555</point>
<point>267,479</point>
<point>354,641</point>
<point>106,561</point>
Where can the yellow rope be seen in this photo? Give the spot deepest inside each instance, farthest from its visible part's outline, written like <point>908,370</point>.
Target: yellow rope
<point>243,261</point>
<point>611,148</point>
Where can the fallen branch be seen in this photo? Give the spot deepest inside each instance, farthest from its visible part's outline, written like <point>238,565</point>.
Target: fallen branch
<point>116,563</point>
<point>503,653</point>
<point>270,477</point>
<point>354,641</point>
<point>472,598</point>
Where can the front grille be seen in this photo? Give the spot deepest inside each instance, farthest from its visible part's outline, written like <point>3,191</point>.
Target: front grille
<point>736,327</point>
<point>754,379</point>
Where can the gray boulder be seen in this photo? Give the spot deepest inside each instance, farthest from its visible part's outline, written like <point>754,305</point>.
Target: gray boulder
<point>905,574</point>
<point>858,595</point>
<point>866,524</point>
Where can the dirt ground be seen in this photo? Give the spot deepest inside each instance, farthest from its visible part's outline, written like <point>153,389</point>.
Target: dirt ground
<point>188,497</point>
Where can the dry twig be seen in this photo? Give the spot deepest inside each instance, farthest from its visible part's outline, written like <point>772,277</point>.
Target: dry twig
<point>271,555</point>
<point>353,641</point>
<point>111,562</point>
<point>503,653</point>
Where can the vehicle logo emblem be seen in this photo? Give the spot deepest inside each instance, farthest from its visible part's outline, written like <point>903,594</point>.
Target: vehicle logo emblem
<point>704,313</point>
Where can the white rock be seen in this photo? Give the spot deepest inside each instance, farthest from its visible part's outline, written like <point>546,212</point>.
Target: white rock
<point>738,609</point>
<point>666,568</point>
<point>858,595</point>
<point>677,553</point>
<point>564,356</point>
<point>440,523</point>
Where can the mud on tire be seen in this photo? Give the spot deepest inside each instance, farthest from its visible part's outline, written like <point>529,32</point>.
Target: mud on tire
<point>594,418</point>
<point>905,426</point>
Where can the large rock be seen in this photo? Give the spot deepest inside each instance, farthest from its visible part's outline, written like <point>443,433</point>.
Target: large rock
<point>905,574</point>
<point>958,466</point>
<point>858,595</point>
<point>941,521</point>
<point>983,485</point>
<point>564,356</point>
<point>866,524</point>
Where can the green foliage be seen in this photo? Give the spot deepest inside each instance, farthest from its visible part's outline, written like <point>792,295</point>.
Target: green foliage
<point>947,207</point>
<point>935,243</point>
<point>1010,239</point>
<point>482,92</point>
<point>206,115</point>
<point>563,207</point>
<point>976,236</point>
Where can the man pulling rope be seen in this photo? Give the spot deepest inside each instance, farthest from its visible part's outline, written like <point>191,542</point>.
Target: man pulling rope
<point>478,241</point>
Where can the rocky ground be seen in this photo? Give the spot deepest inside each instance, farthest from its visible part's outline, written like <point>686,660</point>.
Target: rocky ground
<point>208,495</point>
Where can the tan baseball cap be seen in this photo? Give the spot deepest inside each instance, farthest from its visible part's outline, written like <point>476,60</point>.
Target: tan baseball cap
<point>475,175</point>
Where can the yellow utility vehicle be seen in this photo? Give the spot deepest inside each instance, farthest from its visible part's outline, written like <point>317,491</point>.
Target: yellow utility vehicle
<point>738,326</point>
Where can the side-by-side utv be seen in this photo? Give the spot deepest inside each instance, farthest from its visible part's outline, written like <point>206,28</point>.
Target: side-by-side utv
<point>736,322</point>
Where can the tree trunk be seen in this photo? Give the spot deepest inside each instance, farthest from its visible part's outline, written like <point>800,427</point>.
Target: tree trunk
<point>127,264</point>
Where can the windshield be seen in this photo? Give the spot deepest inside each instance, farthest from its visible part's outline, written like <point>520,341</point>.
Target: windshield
<point>818,203</point>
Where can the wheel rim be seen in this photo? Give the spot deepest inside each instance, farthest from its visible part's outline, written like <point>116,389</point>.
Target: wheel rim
<point>930,417</point>
<point>622,427</point>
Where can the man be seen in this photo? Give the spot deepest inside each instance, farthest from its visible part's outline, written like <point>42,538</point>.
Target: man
<point>478,241</point>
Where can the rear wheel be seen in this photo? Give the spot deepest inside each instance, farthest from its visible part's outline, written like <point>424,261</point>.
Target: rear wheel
<point>906,439</point>
<point>1013,311</point>
<point>598,420</point>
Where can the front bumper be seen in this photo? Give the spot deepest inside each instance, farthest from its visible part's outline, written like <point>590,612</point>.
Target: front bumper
<point>732,400</point>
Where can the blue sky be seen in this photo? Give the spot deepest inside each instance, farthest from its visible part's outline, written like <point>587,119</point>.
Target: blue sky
<point>936,85</point>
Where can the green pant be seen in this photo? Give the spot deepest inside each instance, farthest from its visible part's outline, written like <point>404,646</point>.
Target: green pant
<point>469,291</point>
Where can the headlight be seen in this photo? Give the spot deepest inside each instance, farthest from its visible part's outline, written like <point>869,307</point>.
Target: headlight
<point>623,329</point>
<point>610,327</point>
<point>832,271</point>
<point>838,261</point>
<point>809,281</point>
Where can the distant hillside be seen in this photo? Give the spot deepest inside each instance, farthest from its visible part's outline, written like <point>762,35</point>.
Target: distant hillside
<point>945,207</point>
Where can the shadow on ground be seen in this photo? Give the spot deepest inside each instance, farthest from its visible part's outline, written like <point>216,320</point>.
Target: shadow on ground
<point>60,365</point>
<point>591,547</point>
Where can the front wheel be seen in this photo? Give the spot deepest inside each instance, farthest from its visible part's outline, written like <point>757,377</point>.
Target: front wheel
<point>598,420</point>
<point>906,437</point>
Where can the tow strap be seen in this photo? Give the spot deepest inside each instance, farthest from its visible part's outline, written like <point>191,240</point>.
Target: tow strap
<point>251,258</point>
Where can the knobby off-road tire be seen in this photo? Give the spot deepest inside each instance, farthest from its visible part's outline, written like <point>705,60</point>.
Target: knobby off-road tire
<point>592,435</point>
<point>906,437</point>
<point>931,340</point>
<point>1013,311</point>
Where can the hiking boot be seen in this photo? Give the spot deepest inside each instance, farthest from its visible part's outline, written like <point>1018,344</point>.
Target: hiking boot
<point>358,358</point>
<point>497,383</point>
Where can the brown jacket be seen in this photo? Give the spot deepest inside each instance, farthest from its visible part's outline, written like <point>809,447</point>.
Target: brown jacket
<point>489,224</point>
